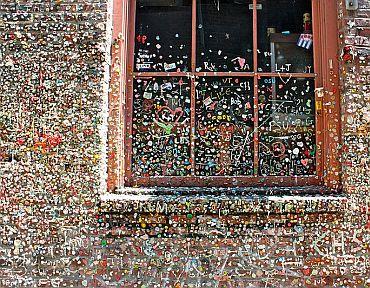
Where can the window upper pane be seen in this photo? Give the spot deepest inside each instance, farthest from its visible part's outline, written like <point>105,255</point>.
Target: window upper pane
<point>163,35</point>
<point>285,41</point>
<point>224,35</point>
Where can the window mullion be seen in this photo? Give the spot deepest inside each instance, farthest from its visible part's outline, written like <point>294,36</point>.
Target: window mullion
<point>192,95</point>
<point>193,36</point>
<point>255,87</point>
<point>192,126</point>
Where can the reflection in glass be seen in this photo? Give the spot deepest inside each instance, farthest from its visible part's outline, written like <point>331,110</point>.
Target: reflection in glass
<point>163,35</point>
<point>224,124</point>
<point>224,35</point>
<point>287,126</point>
<point>285,38</point>
<point>161,141</point>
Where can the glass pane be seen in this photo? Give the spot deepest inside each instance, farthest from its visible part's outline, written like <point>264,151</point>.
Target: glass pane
<point>161,133</point>
<point>224,124</point>
<point>163,35</point>
<point>285,38</point>
<point>287,126</point>
<point>224,35</point>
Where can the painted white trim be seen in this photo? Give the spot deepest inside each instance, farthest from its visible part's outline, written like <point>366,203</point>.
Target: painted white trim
<point>104,114</point>
<point>152,197</point>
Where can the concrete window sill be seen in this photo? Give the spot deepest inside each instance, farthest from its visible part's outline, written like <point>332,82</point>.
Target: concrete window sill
<point>220,201</point>
<point>216,212</point>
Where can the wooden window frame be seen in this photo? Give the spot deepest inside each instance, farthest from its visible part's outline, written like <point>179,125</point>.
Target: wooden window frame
<point>326,97</point>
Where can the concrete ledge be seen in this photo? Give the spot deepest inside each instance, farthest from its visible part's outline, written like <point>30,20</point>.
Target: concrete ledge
<point>215,213</point>
<point>223,200</point>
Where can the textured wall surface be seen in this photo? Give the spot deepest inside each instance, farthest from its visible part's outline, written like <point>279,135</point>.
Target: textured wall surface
<point>52,123</point>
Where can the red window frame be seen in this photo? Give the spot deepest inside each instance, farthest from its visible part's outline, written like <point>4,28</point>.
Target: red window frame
<point>327,104</point>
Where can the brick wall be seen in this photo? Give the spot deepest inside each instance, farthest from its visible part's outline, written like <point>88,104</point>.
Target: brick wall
<point>52,96</point>
<point>53,91</point>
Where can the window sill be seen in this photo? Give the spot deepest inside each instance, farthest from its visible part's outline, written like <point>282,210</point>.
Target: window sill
<point>182,211</point>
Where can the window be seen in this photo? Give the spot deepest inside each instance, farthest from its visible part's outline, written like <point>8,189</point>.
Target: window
<point>222,93</point>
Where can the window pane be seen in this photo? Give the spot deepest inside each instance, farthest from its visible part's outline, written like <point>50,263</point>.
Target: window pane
<point>224,124</point>
<point>285,37</point>
<point>287,126</point>
<point>224,35</point>
<point>161,142</point>
<point>163,35</point>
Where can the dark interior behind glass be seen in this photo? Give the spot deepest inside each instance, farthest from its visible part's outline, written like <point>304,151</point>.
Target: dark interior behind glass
<point>163,35</point>
<point>224,36</point>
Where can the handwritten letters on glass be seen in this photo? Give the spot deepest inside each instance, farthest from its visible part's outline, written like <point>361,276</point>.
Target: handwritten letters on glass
<point>161,130</point>
<point>287,126</point>
<point>224,118</point>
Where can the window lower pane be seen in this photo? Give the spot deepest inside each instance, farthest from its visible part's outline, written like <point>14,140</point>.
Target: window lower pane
<point>161,131</point>
<point>224,125</point>
<point>286,126</point>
